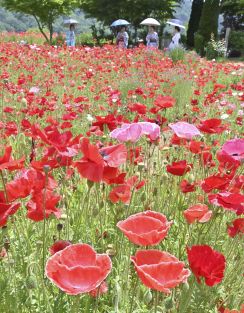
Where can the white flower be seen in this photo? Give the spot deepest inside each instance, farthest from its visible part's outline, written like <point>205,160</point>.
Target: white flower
<point>89,118</point>
<point>224,116</point>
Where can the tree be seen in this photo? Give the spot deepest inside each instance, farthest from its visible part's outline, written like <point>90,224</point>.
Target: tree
<point>45,12</point>
<point>133,10</point>
<point>233,13</point>
<point>209,19</point>
<point>196,12</point>
<point>208,24</point>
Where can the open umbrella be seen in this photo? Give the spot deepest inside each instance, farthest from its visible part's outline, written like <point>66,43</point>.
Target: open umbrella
<point>70,21</point>
<point>120,23</point>
<point>150,22</point>
<point>176,22</point>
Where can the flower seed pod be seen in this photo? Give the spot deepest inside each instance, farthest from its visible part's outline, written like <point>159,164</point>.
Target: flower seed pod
<point>148,296</point>
<point>31,282</point>
<point>168,303</point>
<point>60,227</point>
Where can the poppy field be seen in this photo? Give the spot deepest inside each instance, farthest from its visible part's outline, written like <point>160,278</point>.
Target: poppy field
<point>122,181</point>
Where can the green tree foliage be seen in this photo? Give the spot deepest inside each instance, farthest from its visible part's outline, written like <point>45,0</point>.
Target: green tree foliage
<point>45,12</point>
<point>208,23</point>
<point>196,12</point>
<point>233,12</point>
<point>133,10</point>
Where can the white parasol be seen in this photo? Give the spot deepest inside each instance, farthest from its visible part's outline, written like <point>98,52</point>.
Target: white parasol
<point>150,22</point>
<point>175,22</point>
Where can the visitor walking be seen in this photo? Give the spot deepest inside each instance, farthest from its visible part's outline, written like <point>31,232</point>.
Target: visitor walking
<point>175,41</point>
<point>122,38</point>
<point>70,36</point>
<point>152,37</point>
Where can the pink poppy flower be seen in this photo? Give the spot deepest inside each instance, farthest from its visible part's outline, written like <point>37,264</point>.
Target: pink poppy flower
<point>78,269</point>
<point>198,212</point>
<point>159,270</point>
<point>185,130</point>
<point>147,228</point>
<point>133,132</point>
<point>234,148</point>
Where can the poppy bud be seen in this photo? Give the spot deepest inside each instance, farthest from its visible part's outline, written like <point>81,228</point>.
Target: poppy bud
<point>143,197</point>
<point>148,296</point>
<point>155,191</point>
<point>63,217</point>
<point>90,184</point>
<point>185,286</point>
<point>141,166</point>
<point>31,282</point>
<point>39,244</point>
<point>24,101</point>
<point>6,244</point>
<point>60,227</point>
<point>168,303</point>
<point>46,169</point>
<point>4,230</point>
<point>111,252</point>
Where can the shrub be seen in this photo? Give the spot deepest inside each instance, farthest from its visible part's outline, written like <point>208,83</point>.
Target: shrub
<point>236,40</point>
<point>59,40</point>
<point>215,49</point>
<point>177,54</point>
<point>85,39</point>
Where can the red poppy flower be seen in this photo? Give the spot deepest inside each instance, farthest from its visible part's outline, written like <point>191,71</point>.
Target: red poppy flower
<point>186,187</point>
<point>7,163</point>
<point>139,108</point>
<point>212,126</point>
<point>109,120</point>
<point>38,210</point>
<point>100,290</point>
<point>115,155</point>
<point>207,263</point>
<point>92,164</point>
<point>230,201</point>
<point>78,269</point>
<point>227,162</point>
<point>121,193</point>
<point>198,212</point>
<point>6,209</point>
<point>233,311</point>
<point>197,146</point>
<point>219,182</point>
<point>179,168</point>
<point>236,227</point>
<point>58,246</point>
<point>147,228</point>
<point>164,102</point>
<point>159,270</point>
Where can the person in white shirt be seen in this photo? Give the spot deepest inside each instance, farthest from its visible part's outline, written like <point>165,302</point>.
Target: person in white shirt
<point>175,42</point>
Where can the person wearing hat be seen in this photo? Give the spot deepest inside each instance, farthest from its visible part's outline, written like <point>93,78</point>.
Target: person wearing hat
<point>175,42</point>
<point>122,38</point>
<point>152,38</point>
<point>70,36</point>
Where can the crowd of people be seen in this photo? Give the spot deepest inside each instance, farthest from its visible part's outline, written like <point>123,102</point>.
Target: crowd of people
<point>122,38</point>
